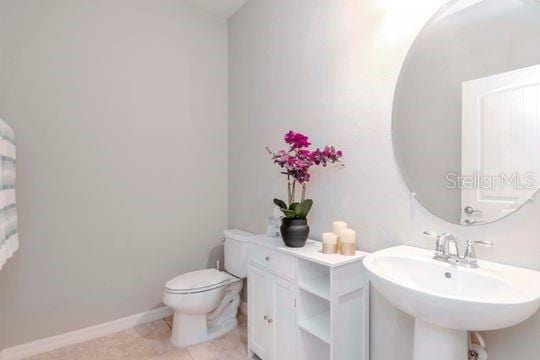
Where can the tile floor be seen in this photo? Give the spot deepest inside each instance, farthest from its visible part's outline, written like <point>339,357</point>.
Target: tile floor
<point>151,341</point>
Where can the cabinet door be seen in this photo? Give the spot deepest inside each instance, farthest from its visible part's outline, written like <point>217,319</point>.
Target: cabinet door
<point>283,318</point>
<point>258,312</point>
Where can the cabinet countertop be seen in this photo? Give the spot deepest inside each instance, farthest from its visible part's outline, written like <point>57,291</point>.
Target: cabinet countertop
<point>312,251</point>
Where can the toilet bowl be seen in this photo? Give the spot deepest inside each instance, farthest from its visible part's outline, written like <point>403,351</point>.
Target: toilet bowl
<point>205,302</point>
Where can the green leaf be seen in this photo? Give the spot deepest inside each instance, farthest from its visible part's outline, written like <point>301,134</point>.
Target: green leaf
<point>280,203</point>
<point>289,214</point>
<point>303,209</point>
<point>293,206</point>
<point>297,210</point>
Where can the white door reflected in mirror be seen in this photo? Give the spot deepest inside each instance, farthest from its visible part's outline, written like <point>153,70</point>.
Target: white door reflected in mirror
<point>500,142</point>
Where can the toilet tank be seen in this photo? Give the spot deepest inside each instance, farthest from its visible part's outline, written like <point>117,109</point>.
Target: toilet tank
<point>236,252</point>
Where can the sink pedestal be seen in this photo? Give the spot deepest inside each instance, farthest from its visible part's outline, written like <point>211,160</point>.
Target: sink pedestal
<point>435,342</point>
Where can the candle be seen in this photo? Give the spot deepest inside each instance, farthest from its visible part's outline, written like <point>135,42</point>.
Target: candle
<point>330,242</point>
<point>337,228</point>
<point>348,242</point>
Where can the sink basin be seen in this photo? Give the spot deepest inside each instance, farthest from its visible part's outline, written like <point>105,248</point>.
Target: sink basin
<point>447,300</point>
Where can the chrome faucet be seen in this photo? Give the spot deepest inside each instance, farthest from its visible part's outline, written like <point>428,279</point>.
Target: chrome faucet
<point>445,252</point>
<point>447,240</point>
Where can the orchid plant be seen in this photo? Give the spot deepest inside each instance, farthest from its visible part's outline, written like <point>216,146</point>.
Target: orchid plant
<point>296,163</point>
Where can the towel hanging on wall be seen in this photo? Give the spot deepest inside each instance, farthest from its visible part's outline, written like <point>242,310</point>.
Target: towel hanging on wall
<point>9,240</point>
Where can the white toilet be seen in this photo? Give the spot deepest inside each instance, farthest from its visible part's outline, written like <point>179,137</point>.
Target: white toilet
<point>205,302</point>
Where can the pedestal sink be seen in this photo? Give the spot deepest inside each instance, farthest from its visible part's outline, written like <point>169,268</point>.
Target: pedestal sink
<point>447,300</point>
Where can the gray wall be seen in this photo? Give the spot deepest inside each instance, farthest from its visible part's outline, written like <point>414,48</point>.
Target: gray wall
<point>2,315</point>
<point>479,41</point>
<point>120,112</point>
<point>329,69</point>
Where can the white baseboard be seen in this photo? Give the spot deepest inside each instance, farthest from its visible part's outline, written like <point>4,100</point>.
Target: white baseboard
<point>243,309</point>
<point>55,342</point>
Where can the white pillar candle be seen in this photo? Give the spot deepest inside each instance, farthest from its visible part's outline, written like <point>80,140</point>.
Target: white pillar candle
<point>330,242</point>
<point>347,241</point>
<point>348,236</point>
<point>337,228</point>
<point>329,238</point>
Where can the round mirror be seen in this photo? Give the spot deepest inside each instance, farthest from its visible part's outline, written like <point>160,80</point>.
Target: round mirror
<point>466,117</point>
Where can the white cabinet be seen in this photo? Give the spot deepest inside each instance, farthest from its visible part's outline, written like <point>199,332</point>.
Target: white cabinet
<point>271,314</point>
<point>258,312</point>
<point>306,305</point>
<point>283,318</point>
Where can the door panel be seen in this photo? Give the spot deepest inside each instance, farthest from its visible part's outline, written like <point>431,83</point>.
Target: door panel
<point>258,309</point>
<point>500,135</point>
<point>283,318</point>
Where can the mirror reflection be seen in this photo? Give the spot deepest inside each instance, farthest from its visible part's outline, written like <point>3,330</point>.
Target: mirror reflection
<point>466,118</point>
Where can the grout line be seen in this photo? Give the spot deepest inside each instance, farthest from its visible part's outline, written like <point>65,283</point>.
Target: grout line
<point>168,325</point>
<point>189,353</point>
<point>186,349</point>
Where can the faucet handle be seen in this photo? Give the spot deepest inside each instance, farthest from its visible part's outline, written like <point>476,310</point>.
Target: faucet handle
<point>430,234</point>
<point>471,244</point>
<point>470,253</point>
<point>483,243</point>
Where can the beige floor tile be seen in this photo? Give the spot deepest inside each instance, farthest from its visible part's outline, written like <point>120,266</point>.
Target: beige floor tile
<point>230,346</point>
<point>152,341</point>
<point>82,351</point>
<point>176,354</point>
<point>242,328</point>
<point>146,341</point>
<point>124,345</point>
<point>158,335</point>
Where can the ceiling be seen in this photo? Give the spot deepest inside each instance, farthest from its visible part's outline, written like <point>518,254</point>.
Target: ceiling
<point>221,8</point>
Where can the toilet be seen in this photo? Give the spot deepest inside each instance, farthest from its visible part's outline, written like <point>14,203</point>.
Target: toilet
<point>205,302</point>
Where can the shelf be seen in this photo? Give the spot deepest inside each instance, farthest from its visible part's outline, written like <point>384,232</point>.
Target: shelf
<point>313,348</point>
<point>318,326</point>
<point>318,286</point>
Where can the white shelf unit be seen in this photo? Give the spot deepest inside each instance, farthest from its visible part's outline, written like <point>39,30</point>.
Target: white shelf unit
<point>312,348</point>
<point>314,337</point>
<point>331,304</point>
<point>313,315</point>
<point>314,278</point>
<point>349,312</point>
<point>318,326</point>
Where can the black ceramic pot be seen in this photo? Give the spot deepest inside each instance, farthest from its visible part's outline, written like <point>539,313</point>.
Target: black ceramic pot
<point>294,232</point>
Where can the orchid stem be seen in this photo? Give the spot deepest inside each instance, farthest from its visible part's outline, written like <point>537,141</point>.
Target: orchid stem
<point>289,190</point>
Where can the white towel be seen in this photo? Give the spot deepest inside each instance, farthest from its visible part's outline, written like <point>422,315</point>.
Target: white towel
<point>9,240</point>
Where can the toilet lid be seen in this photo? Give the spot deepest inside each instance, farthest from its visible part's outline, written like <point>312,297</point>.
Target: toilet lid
<point>197,281</point>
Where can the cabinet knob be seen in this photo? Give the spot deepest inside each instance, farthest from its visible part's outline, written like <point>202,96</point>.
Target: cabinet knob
<point>270,321</point>
<point>266,317</point>
<point>267,258</point>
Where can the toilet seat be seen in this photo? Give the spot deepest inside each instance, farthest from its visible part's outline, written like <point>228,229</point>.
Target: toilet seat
<point>197,282</point>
